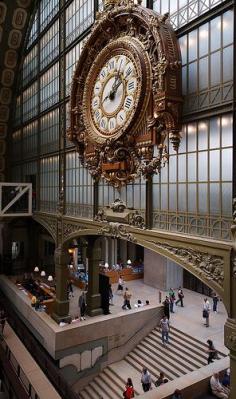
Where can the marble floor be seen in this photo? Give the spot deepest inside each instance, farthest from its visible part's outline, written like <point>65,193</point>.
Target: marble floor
<point>189,318</point>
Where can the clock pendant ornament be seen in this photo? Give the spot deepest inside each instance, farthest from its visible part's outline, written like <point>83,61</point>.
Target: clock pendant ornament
<point>126,94</point>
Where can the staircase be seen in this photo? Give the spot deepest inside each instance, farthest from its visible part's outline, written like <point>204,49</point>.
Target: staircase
<point>183,355</point>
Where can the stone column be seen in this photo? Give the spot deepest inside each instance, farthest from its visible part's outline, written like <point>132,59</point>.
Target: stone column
<point>61,307</point>
<point>230,326</point>
<point>93,297</point>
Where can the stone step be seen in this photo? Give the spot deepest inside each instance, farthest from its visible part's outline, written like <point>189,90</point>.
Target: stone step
<point>108,392</point>
<point>195,341</point>
<point>115,388</point>
<point>179,362</point>
<point>199,350</point>
<point>161,358</point>
<point>178,352</point>
<point>90,393</point>
<point>125,370</point>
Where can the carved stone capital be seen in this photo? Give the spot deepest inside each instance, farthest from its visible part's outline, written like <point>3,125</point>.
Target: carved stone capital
<point>230,334</point>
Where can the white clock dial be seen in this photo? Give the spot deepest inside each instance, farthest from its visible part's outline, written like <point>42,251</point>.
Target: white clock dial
<point>121,117</point>
<point>112,96</point>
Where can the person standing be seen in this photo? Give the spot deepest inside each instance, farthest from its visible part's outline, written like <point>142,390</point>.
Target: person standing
<point>215,300</point>
<point>129,389</point>
<point>146,380</point>
<point>217,388</point>
<point>206,311</point>
<point>166,304</point>
<point>82,305</point>
<point>212,352</point>
<point>180,297</point>
<point>172,300</point>
<point>70,290</point>
<point>165,328</point>
<point>120,284</point>
<point>110,295</point>
<point>127,297</point>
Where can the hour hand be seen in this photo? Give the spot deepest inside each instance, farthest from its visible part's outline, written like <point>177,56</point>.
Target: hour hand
<point>108,96</point>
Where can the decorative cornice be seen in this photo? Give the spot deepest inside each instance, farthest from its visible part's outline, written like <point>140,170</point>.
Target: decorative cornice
<point>116,230</point>
<point>205,265</point>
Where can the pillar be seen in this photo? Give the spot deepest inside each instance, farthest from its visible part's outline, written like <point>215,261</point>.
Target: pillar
<point>93,297</point>
<point>61,307</point>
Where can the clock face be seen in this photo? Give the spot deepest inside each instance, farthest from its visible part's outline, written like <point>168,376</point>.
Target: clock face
<point>114,94</point>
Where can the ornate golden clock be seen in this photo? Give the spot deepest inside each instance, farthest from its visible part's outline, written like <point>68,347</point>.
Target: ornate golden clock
<point>126,93</point>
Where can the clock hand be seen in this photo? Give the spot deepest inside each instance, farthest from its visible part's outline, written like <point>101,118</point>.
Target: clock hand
<point>115,88</point>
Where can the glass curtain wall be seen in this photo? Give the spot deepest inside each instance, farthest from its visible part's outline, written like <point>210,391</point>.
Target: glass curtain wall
<point>193,192</point>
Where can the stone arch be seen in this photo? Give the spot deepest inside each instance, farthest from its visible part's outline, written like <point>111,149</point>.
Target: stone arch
<point>204,264</point>
<point>50,224</point>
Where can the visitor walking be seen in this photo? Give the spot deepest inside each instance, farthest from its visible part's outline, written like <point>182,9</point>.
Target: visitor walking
<point>129,389</point>
<point>172,300</point>
<point>206,311</point>
<point>212,352</point>
<point>127,297</point>
<point>165,328</point>
<point>82,305</point>
<point>217,388</point>
<point>180,297</point>
<point>146,380</point>
<point>215,300</point>
<point>120,284</point>
<point>166,304</point>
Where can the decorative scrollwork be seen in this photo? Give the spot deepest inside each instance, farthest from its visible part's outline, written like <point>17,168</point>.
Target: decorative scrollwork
<point>211,267</point>
<point>118,205</point>
<point>137,220</point>
<point>117,230</point>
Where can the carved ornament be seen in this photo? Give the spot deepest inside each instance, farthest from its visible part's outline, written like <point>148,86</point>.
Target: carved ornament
<point>118,205</point>
<point>116,230</point>
<point>230,334</point>
<point>120,150</point>
<point>137,220</point>
<point>70,228</point>
<point>211,267</point>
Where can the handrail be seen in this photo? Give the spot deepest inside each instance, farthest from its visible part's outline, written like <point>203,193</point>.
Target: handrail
<point>13,375</point>
<point>37,351</point>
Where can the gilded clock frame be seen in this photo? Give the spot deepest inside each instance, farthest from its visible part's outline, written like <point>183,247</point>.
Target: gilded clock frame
<point>134,50</point>
<point>157,120</point>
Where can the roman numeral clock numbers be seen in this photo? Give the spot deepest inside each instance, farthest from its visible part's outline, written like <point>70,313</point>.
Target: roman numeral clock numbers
<point>113,98</point>
<point>129,102</point>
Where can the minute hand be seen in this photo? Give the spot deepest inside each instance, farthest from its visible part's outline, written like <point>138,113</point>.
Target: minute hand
<point>114,89</point>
